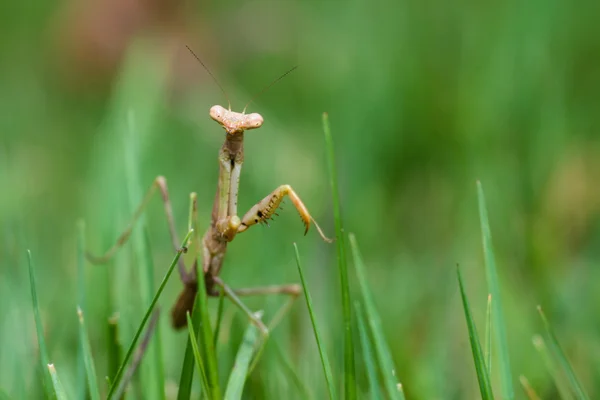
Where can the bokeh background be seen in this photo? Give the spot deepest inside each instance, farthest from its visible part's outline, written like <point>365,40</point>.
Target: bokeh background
<point>99,97</point>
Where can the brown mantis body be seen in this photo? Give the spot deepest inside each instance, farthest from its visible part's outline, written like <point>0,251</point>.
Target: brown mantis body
<point>225,223</point>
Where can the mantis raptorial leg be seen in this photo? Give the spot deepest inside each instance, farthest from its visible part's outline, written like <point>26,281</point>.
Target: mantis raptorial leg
<point>225,223</point>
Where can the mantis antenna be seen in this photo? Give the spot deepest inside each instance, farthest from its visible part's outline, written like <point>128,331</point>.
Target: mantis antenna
<point>268,86</point>
<point>211,75</point>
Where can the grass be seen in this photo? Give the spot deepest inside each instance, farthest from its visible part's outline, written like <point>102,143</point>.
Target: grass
<point>422,99</point>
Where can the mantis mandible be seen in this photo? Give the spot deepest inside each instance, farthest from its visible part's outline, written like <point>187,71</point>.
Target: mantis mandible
<point>225,223</point>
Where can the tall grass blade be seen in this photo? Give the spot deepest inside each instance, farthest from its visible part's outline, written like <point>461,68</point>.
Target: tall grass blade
<point>498,323</point>
<point>44,359</point>
<point>382,351</point>
<point>152,382</point>
<point>483,378</point>
<point>375,392</point>
<point>566,366</point>
<point>59,390</point>
<point>117,379</point>
<point>313,320</point>
<point>88,358</point>
<point>81,367</point>
<point>529,392</point>
<point>487,352</point>
<point>237,379</point>
<point>553,368</point>
<point>197,356</point>
<point>349,368</point>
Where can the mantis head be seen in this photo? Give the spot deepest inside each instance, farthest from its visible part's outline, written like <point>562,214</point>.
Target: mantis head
<point>234,122</point>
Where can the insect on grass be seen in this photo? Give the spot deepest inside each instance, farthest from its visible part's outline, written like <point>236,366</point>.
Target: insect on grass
<point>225,223</point>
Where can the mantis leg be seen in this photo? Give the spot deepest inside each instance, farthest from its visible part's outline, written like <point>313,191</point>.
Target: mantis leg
<point>159,183</point>
<point>264,210</point>
<point>293,290</point>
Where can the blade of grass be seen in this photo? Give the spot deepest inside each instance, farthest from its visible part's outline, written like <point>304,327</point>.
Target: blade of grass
<point>88,358</point>
<point>482,377</point>
<point>205,333</point>
<point>559,353</point>
<point>114,346</point>
<point>59,390</point>
<point>488,336</point>
<point>239,373</point>
<point>152,379</point>
<point>559,379</point>
<point>382,351</point>
<point>44,359</point>
<point>138,356</point>
<point>117,380</point>
<point>313,320</point>
<point>498,324</point>
<point>81,367</point>
<point>187,368</point>
<point>349,369</point>
<point>375,392</point>
<point>529,392</point>
<point>197,356</point>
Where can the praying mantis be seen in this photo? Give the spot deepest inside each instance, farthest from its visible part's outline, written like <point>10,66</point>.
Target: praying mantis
<point>225,223</point>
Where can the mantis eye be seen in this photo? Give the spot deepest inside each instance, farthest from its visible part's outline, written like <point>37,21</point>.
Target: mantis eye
<point>216,113</point>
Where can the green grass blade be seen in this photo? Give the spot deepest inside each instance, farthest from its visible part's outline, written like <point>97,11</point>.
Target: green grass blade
<point>382,351</point>
<point>498,324</point>
<point>487,352</point>
<point>483,378</point>
<point>206,336</point>
<point>529,392</point>
<point>349,369</point>
<point>566,366</point>
<point>322,352</point>
<point>59,390</point>
<point>375,392</point>
<point>88,359</point>
<point>81,367</point>
<point>559,379</point>
<point>239,373</point>
<point>117,379</point>
<point>114,346</point>
<point>152,379</point>
<point>44,359</point>
<point>197,356</point>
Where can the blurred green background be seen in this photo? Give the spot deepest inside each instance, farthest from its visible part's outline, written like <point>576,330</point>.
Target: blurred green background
<point>99,97</point>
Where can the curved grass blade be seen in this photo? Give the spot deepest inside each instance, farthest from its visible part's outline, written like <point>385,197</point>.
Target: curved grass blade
<point>322,353</point>
<point>117,379</point>
<point>59,390</point>
<point>559,353</point>
<point>382,351</point>
<point>349,369</point>
<point>87,358</point>
<point>529,392</point>
<point>44,359</point>
<point>197,356</point>
<point>239,373</point>
<point>375,392</point>
<point>498,324</point>
<point>483,378</point>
